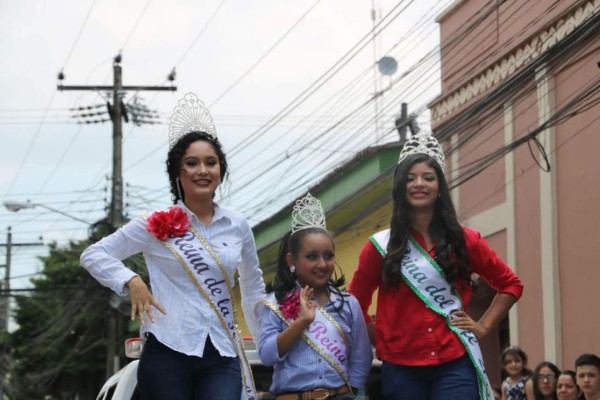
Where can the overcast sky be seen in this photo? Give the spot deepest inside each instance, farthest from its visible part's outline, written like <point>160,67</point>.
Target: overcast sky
<point>290,85</point>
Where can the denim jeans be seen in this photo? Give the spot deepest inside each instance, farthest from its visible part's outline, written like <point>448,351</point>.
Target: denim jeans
<point>164,373</point>
<point>455,380</point>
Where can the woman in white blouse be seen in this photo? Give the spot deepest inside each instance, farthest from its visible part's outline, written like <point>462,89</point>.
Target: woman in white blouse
<point>193,349</point>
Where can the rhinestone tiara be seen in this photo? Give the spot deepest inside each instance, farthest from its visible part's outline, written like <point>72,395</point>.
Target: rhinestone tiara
<point>190,115</point>
<point>308,213</point>
<point>423,143</point>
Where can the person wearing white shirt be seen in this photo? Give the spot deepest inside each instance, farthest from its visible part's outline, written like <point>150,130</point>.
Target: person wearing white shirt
<point>192,348</point>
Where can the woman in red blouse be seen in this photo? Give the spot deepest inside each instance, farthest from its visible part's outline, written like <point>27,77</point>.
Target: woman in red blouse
<point>422,332</point>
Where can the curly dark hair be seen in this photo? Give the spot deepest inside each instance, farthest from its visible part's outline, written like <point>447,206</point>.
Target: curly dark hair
<point>175,156</point>
<point>285,281</point>
<point>451,253</point>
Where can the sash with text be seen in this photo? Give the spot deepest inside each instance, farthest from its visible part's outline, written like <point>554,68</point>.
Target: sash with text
<point>325,336</point>
<point>425,277</point>
<point>215,286</point>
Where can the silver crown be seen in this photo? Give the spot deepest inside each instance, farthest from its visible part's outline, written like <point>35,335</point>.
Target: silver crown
<point>308,213</point>
<point>423,143</point>
<point>189,115</point>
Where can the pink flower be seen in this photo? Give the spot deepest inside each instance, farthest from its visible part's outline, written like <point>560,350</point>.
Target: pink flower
<point>166,224</point>
<point>290,307</point>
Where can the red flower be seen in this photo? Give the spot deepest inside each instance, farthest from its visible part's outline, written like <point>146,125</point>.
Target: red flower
<point>166,224</point>
<point>290,307</point>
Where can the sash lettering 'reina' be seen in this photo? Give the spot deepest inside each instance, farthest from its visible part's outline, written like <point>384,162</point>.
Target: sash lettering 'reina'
<point>214,285</point>
<point>422,274</point>
<point>325,336</point>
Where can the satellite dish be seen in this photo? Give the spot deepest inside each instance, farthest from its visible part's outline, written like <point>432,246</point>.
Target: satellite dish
<point>387,65</point>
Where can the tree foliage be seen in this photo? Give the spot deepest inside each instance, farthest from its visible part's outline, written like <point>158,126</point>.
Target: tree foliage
<point>60,348</point>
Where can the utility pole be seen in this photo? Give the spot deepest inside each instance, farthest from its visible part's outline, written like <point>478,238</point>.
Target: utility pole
<point>5,297</point>
<point>117,111</point>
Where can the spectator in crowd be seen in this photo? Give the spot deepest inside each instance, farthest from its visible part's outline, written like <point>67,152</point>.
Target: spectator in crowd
<point>514,365</point>
<point>543,382</point>
<point>587,368</point>
<point>566,386</point>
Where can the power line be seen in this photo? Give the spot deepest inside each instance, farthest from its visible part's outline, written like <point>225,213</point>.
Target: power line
<point>85,20</point>
<point>261,58</point>
<point>135,26</point>
<point>204,27</point>
<point>319,82</point>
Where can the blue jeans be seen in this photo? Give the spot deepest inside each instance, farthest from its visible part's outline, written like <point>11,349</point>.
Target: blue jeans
<point>164,373</point>
<point>455,380</point>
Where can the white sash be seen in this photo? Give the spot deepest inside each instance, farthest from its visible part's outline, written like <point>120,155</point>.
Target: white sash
<point>325,336</point>
<point>215,286</point>
<point>425,277</point>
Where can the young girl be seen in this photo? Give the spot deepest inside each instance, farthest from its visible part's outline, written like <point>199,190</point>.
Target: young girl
<point>514,363</point>
<point>423,267</point>
<point>313,333</point>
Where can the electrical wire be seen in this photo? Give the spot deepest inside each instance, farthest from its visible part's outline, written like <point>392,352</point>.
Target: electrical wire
<point>262,57</point>
<point>85,20</point>
<point>199,35</point>
<point>135,25</point>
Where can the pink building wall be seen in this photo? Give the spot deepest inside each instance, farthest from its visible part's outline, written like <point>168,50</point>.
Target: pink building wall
<point>578,176</point>
<point>513,202</point>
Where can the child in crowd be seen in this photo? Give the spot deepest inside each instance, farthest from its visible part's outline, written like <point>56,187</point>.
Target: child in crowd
<point>514,364</point>
<point>312,332</point>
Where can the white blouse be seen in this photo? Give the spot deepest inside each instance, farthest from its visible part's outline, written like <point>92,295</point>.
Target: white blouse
<point>190,318</point>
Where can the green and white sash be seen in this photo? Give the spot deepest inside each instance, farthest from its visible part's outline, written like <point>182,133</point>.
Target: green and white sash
<point>215,286</point>
<point>425,277</point>
<point>324,335</point>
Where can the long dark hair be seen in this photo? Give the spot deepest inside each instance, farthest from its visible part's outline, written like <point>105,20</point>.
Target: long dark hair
<point>536,373</point>
<point>451,253</point>
<point>175,156</point>
<point>285,281</point>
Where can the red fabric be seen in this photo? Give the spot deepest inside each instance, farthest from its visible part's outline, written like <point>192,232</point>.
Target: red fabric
<point>409,333</point>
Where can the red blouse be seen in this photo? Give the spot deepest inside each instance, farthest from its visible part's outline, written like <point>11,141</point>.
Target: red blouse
<point>407,331</point>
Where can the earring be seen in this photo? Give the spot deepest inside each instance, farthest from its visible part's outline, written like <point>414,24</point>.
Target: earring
<point>177,183</point>
<point>292,269</point>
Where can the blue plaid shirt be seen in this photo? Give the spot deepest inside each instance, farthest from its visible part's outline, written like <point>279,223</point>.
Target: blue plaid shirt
<point>302,368</point>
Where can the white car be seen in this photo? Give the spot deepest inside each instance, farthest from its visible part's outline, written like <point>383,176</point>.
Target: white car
<point>122,385</point>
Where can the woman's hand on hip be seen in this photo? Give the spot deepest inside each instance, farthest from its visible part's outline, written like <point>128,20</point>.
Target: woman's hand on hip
<point>461,319</point>
<point>142,300</point>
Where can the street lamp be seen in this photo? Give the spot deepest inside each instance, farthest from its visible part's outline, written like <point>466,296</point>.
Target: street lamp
<point>15,206</point>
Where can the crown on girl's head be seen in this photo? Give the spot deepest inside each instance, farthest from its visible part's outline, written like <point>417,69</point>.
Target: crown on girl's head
<point>308,213</point>
<point>190,115</point>
<point>423,143</point>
